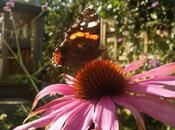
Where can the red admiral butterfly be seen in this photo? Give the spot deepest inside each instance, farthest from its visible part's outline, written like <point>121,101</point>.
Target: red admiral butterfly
<point>81,43</point>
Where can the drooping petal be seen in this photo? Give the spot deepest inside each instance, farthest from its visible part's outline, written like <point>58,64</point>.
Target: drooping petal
<point>159,71</point>
<point>57,102</point>
<point>123,102</point>
<point>134,65</point>
<point>61,106</point>
<point>69,79</point>
<point>64,114</point>
<point>153,89</point>
<point>105,114</point>
<point>53,89</point>
<point>77,120</point>
<point>49,118</point>
<point>41,122</point>
<point>155,107</point>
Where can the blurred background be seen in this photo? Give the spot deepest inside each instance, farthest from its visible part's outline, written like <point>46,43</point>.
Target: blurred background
<point>30,30</point>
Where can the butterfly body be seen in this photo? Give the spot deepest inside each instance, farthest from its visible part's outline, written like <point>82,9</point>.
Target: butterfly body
<point>82,41</point>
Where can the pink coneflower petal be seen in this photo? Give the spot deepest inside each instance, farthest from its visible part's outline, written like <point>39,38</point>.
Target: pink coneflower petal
<point>61,112</point>
<point>153,89</point>
<point>48,118</point>
<point>70,124</point>
<point>41,122</point>
<point>68,108</point>
<point>59,101</point>
<point>77,119</point>
<point>134,65</point>
<point>104,116</point>
<point>123,102</point>
<point>61,106</point>
<point>69,79</point>
<point>89,116</point>
<point>159,71</point>
<point>58,124</point>
<point>53,89</point>
<point>154,107</point>
<point>165,80</point>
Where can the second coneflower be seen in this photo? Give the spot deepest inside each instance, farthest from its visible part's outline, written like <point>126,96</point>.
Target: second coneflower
<point>91,98</point>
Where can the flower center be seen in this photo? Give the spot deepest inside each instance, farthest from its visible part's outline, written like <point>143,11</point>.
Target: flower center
<point>99,78</point>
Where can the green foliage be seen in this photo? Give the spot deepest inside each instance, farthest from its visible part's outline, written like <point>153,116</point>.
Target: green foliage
<point>9,121</point>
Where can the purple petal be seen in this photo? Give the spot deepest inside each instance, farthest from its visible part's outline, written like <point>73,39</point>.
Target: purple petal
<point>134,65</point>
<point>153,89</point>
<point>153,106</point>
<point>44,7</point>
<point>123,102</point>
<point>105,110</point>
<point>159,71</point>
<point>154,4</point>
<point>8,9</point>
<point>53,89</point>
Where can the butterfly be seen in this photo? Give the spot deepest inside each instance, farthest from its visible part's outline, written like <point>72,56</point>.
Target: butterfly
<point>81,43</point>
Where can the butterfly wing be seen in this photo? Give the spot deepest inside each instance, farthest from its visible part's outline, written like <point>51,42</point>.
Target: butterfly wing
<point>81,42</point>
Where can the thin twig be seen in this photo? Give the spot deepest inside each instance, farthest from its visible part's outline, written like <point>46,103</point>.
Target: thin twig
<point>21,64</point>
<point>41,68</point>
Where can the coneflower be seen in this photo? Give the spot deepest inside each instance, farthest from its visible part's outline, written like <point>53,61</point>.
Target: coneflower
<point>91,98</point>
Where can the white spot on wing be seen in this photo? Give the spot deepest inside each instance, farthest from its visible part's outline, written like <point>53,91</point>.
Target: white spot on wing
<point>92,24</point>
<point>74,25</point>
<point>83,23</point>
<point>61,44</point>
<point>92,15</point>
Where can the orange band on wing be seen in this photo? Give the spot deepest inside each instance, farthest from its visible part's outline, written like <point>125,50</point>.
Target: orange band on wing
<point>84,34</point>
<point>56,58</point>
<point>94,37</point>
<point>77,34</point>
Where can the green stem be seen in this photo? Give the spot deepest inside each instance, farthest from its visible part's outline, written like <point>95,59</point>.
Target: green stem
<point>16,37</point>
<point>24,108</point>
<point>41,68</point>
